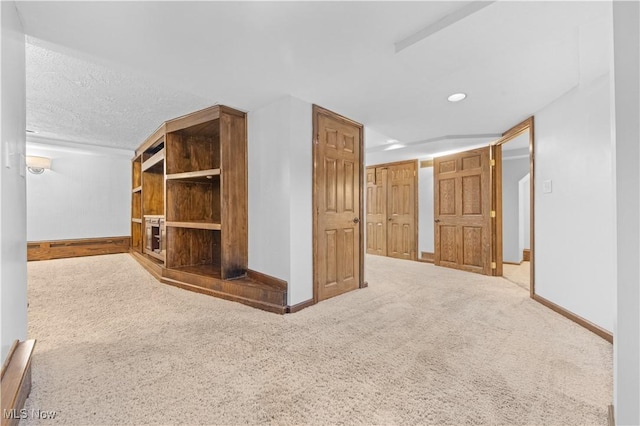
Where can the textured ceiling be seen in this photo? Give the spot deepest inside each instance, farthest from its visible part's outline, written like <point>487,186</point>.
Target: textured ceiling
<point>110,72</point>
<point>71,99</point>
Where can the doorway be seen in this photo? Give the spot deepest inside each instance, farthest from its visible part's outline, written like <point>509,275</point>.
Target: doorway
<point>514,197</point>
<point>470,225</point>
<point>392,209</point>
<point>338,247</point>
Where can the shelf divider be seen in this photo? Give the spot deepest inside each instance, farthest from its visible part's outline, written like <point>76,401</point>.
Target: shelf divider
<point>155,159</point>
<point>194,175</point>
<point>195,225</point>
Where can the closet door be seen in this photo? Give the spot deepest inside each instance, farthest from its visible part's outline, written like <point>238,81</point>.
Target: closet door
<point>462,214</point>
<point>337,203</point>
<point>377,210</point>
<point>401,211</point>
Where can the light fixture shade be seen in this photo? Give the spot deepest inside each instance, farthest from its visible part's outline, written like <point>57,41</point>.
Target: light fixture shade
<point>38,165</point>
<point>457,97</point>
<point>394,146</point>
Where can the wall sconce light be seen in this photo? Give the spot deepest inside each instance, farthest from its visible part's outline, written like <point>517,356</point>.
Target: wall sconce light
<point>37,165</point>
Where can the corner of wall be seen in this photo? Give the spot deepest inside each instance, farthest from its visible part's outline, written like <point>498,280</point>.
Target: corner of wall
<point>13,257</point>
<point>301,203</point>
<point>269,188</point>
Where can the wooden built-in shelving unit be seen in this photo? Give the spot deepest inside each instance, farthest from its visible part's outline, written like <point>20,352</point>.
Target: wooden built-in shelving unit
<point>189,208</point>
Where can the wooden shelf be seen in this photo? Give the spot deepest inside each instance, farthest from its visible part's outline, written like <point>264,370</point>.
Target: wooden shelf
<point>155,159</point>
<point>198,176</point>
<point>192,247</point>
<point>154,216</point>
<point>193,200</point>
<point>136,220</point>
<point>194,148</point>
<point>195,225</point>
<point>206,270</point>
<point>136,189</point>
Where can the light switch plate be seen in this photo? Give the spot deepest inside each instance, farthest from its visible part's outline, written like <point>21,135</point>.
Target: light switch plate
<point>547,187</point>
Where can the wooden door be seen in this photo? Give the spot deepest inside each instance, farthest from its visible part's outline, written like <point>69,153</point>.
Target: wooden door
<point>401,211</point>
<point>338,249</point>
<point>377,210</point>
<point>463,211</point>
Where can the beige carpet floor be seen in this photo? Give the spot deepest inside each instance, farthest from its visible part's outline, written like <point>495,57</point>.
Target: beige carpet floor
<point>420,345</point>
<point>518,274</point>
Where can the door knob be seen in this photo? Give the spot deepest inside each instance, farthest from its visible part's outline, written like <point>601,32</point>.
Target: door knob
<point>390,219</point>
<point>437,220</point>
<point>356,220</point>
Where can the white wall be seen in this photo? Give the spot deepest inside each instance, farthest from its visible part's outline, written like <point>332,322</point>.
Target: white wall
<point>86,194</point>
<point>269,189</point>
<point>13,253</point>
<point>301,178</point>
<point>626,349</point>
<point>575,223</point>
<point>280,191</point>
<point>512,171</point>
<point>425,210</point>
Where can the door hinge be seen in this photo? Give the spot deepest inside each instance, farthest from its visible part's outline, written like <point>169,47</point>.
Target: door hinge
<point>493,213</point>
<point>494,265</point>
<point>493,162</point>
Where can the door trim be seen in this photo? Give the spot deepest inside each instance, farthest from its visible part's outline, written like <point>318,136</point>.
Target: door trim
<point>316,112</point>
<point>416,193</point>
<point>510,134</point>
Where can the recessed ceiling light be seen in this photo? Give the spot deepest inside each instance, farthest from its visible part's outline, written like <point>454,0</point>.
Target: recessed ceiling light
<point>394,146</point>
<point>457,97</point>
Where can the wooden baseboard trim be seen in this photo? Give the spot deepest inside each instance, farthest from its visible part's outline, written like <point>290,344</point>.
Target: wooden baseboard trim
<point>575,318</point>
<point>526,255</point>
<point>300,306</point>
<point>267,279</point>
<point>60,249</point>
<point>256,289</point>
<point>151,266</point>
<point>16,381</point>
<point>12,349</point>
<point>426,256</point>
<point>611,420</point>
<point>265,306</point>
